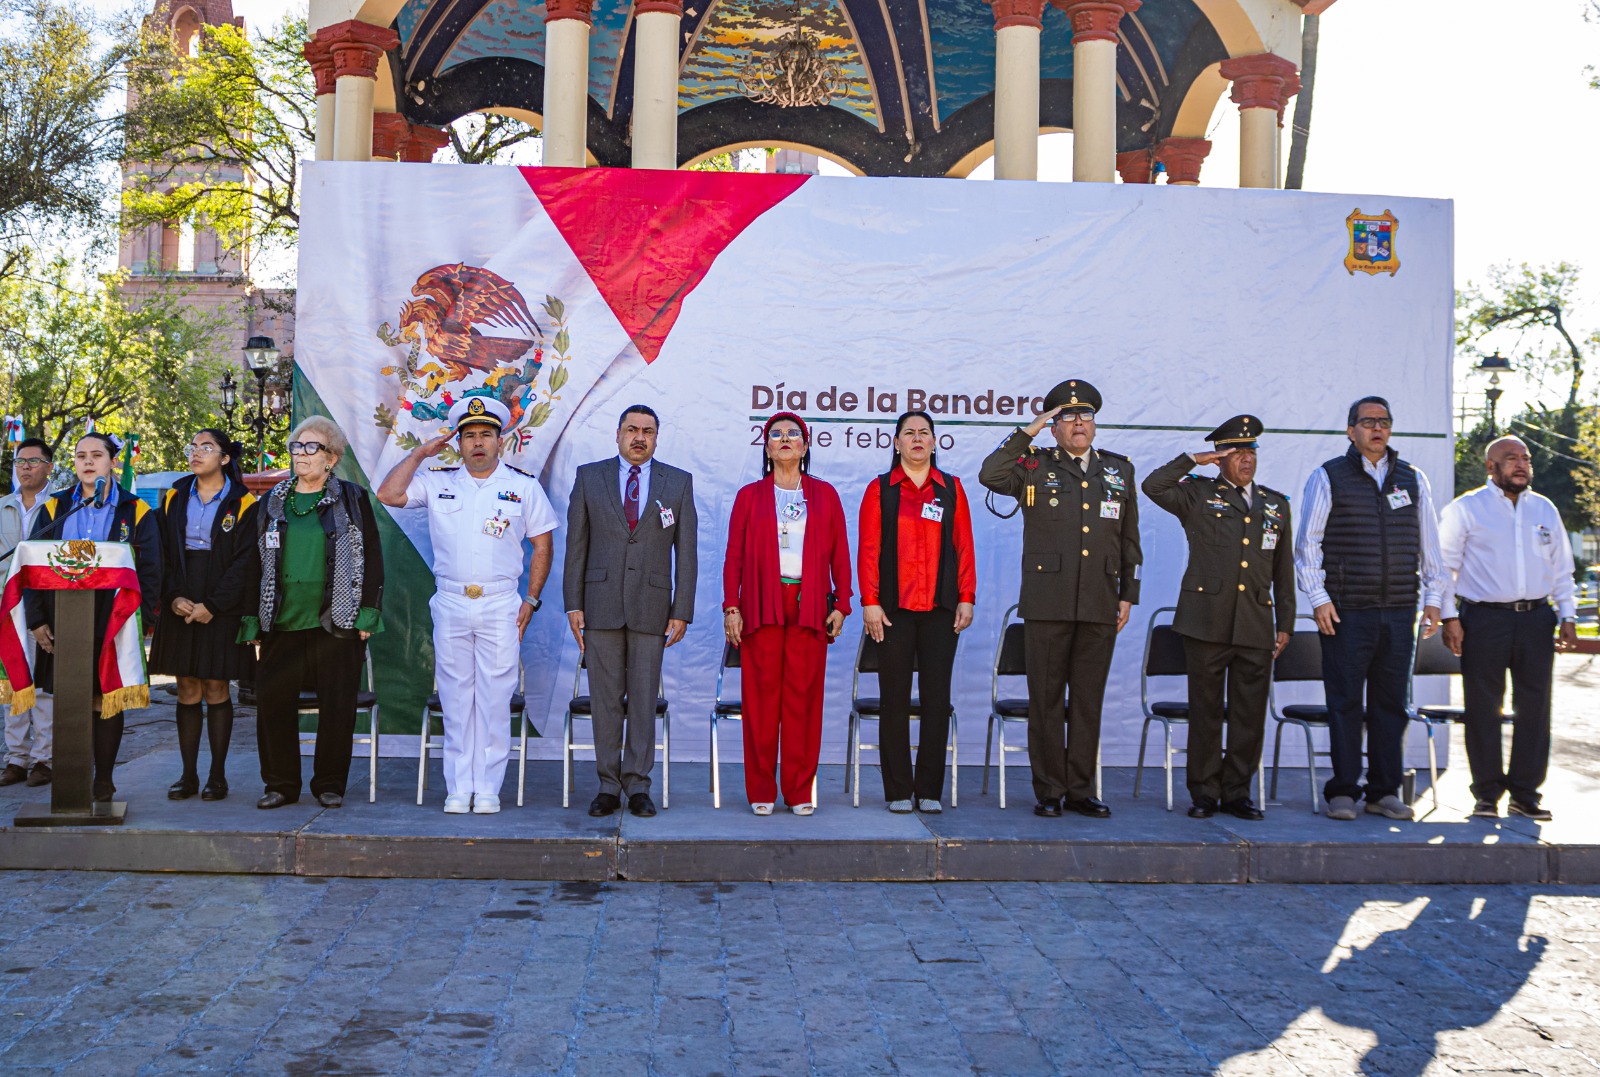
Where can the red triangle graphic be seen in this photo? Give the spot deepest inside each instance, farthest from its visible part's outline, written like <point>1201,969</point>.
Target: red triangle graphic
<point>648,238</point>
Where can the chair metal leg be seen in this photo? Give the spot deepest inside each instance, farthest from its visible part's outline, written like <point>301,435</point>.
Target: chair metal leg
<point>716,767</point>
<point>422,757</point>
<point>1433,766</point>
<point>372,757</point>
<point>1099,792</point>
<point>955,762</point>
<point>666,759</point>
<point>1166,758</point>
<point>1001,737</point>
<point>988,739</point>
<point>1261,786</point>
<point>1138,767</point>
<point>850,739</point>
<point>566,761</point>
<point>522,761</point>
<point>1311,768</point>
<point>852,772</point>
<point>1277,749</point>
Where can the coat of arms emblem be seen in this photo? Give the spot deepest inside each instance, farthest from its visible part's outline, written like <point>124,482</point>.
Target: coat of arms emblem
<point>1372,243</point>
<point>74,560</point>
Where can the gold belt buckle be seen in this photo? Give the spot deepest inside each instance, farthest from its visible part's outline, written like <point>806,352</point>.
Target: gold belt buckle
<point>473,590</point>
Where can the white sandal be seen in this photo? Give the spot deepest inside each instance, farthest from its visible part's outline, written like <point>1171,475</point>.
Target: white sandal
<point>761,809</point>
<point>803,809</point>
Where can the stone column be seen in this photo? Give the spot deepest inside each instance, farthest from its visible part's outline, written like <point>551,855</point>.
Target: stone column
<point>390,133</point>
<point>357,47</point>
<point>1262,86</point>
<point>423,143</point>
<point>319,56</point>
<point>566,82</point>
<point>1094,85</point>
<point>655,82</point>
<point>1017,24</point>
<point>1136,166</point>
<point>1183,158</point>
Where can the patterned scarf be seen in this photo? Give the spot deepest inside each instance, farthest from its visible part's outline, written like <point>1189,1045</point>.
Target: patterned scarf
<point>344,590</point>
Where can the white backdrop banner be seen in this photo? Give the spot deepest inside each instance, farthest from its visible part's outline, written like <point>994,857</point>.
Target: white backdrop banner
<point>717,299</point>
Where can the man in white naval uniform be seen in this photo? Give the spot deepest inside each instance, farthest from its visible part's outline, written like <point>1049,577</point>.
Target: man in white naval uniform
<point>478,516</point>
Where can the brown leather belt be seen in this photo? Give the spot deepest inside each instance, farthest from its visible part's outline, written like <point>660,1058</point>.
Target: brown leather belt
<point>1525,606</point>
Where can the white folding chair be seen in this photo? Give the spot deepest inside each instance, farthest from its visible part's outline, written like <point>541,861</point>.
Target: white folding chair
<point>1301,660</point>
<point>1163,657</point>
<point>366,705</point>
<point>428,741</point>
<point>870,709</point>
<point>581,708</point>
<point>1433,659</point>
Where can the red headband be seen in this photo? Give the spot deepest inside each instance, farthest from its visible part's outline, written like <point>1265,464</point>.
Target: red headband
<point>805,431</point>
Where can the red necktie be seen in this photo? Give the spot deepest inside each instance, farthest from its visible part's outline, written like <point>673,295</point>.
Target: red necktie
<point>630,500</point>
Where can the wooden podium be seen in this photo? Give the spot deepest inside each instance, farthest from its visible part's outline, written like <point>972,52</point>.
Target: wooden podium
<point>75,571</point>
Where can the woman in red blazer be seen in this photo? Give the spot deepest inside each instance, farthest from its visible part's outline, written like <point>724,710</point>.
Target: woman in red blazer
<point>785,594</point>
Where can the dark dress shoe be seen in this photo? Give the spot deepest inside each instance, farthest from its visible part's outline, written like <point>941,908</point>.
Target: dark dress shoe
<point>183,788</point>
<point>214,790</point>
<point>103,792</point>
<point>40,775</point>
<point>273,800</point>
<point>12,774</point>
<point>1243,809</point>
<point>641,805</point>
<point>604,804</point>
<point>1049,808</point>
<point>331,799</point>
<point>1202,809</point>
<point>1094,809</point>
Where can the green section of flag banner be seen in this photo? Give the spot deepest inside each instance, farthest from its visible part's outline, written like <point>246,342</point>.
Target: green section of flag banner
<point>402,654</point>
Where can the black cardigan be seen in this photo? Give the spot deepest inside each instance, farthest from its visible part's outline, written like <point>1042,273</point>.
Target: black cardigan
<point>226,588</point>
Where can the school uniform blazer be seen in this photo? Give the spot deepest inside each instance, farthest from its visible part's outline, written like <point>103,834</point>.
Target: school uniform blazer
<point>226,588</point>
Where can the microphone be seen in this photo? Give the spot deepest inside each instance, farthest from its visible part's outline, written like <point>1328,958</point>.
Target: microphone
<point>100,492</point>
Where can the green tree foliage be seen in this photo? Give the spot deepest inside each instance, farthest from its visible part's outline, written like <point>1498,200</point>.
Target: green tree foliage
<point>221,134</point>
<point>483,138</point>
<point>72,351</point>
<point>55,138</point>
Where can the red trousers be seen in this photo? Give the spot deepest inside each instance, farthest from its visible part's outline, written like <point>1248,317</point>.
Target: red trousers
<point>782,669</point>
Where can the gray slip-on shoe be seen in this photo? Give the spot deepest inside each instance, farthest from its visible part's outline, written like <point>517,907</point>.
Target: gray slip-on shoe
<point>1391,807</point>
<point>1342,808</point>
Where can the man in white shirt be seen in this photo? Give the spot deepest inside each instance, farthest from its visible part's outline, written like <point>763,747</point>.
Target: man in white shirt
<point>1508,559</point>
<point>478,516</point>
<point>1366,555</point>
<point>28,735</point>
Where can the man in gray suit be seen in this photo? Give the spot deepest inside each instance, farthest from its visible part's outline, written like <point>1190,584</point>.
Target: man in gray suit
<point>625,600</point>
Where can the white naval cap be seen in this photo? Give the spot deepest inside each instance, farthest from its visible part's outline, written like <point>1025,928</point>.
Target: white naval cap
<point>479,409</point>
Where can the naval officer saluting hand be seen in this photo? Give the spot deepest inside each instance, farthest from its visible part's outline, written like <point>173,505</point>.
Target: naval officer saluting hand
<point>1235,609</point>
<point>478,516</point>
<point>1080,580</point>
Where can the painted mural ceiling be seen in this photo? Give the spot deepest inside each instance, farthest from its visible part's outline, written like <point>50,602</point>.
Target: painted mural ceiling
<point>915,88</point>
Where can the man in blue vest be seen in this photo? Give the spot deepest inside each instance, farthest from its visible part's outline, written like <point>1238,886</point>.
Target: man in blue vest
<point>1367,550</point>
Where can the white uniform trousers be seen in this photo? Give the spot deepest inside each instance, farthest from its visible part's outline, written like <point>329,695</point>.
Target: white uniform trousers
<point>28,735</point>
<point>475,654</point>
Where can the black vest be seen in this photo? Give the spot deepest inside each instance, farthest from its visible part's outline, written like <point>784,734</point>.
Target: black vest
<point>1372,551</point>
<point>945,595</point>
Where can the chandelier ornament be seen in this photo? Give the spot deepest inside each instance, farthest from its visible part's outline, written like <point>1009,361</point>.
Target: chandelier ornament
<point>793,73</point>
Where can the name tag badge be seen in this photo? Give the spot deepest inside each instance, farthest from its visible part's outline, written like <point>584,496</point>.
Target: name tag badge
<point>1399,499</point>
<point>496,525</point>
<point>667,518</point>
<point>1110,510</point>
<point>446,495</point>
<point>274,540</point>
<point>933,511</point>
<point>1269,540</point>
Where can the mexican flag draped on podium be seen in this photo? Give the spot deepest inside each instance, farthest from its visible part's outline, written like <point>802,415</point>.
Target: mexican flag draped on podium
<point>77,565</point>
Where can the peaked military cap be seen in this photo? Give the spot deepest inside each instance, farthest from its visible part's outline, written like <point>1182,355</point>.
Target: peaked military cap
<point>1073,393</point>
<point>1239,432</point>
<point>479,409</point>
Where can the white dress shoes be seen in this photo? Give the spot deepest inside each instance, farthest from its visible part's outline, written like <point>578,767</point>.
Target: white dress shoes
<point>485,804</point>
<point>458,803</point>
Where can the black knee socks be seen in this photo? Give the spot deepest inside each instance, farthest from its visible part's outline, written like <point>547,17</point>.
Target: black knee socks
<point>219,727</point>
<point>190,719</point>
<point>107,741</point>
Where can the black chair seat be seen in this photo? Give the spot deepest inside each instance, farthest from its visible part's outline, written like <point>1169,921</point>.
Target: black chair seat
<point>364,701</point>
<point>729,707</point>
<point>1011,708</point>
<point>1315,713</point>
<point>872,706</point>
<point>582,706</point>
<point>1178,712</point>
<point>1443,713</point>
<point>518,703</point>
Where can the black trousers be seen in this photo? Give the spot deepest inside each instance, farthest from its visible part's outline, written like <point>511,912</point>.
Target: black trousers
<point>1495,642</point>
<point>1371,650</point>
<point>329,664</point>
<point>1072,659</point>
<point>1227,687</point>
<point>925,640</point>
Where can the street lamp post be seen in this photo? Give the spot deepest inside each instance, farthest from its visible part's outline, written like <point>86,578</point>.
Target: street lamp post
<point>1494,365</point>
<point>261,356</point>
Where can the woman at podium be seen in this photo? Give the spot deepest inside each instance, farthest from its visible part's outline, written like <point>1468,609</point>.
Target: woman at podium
<point>98,510</point>
<point>208,529</point>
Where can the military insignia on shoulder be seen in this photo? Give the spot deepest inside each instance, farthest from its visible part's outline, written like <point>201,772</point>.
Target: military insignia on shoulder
<point>1113,455</point>
<point>445,468</point>
<point>525,474</point>
<point>1030,462</point>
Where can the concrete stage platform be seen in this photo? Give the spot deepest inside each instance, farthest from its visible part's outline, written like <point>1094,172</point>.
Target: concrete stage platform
<point>1142,842</point>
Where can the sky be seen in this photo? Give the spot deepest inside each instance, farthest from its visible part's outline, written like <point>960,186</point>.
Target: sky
<point>1483,102</point>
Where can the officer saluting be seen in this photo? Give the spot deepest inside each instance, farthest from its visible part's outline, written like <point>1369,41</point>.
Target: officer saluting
<point>1235,609</point>
<point>478,516</point>
<point>1080,579</point>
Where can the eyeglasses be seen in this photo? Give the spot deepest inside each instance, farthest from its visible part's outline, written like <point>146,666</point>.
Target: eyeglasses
<point>785,435</point>
<point>31,461</point>
<point>305,448</point>
<point>1375,424</point>
<point>192,451</point>
<point>1074,417</point>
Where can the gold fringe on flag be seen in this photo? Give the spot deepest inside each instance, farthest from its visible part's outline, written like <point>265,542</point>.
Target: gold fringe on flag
<point>133,697</point>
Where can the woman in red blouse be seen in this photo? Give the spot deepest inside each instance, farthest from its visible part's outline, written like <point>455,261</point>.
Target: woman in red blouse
<point>918,583</point>
<point>785,593</point>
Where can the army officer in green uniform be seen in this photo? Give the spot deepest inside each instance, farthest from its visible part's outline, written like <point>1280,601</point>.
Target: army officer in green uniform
<point>1235,609</point>
<point>1080,579</point>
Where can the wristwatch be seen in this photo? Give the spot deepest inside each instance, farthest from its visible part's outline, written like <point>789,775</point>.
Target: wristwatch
<point>533,600</point>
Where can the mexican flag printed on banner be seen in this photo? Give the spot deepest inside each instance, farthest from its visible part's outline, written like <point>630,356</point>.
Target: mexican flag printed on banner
<point>77,565</point>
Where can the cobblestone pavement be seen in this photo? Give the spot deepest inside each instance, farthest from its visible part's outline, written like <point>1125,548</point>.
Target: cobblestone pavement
<point>150,974</point>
